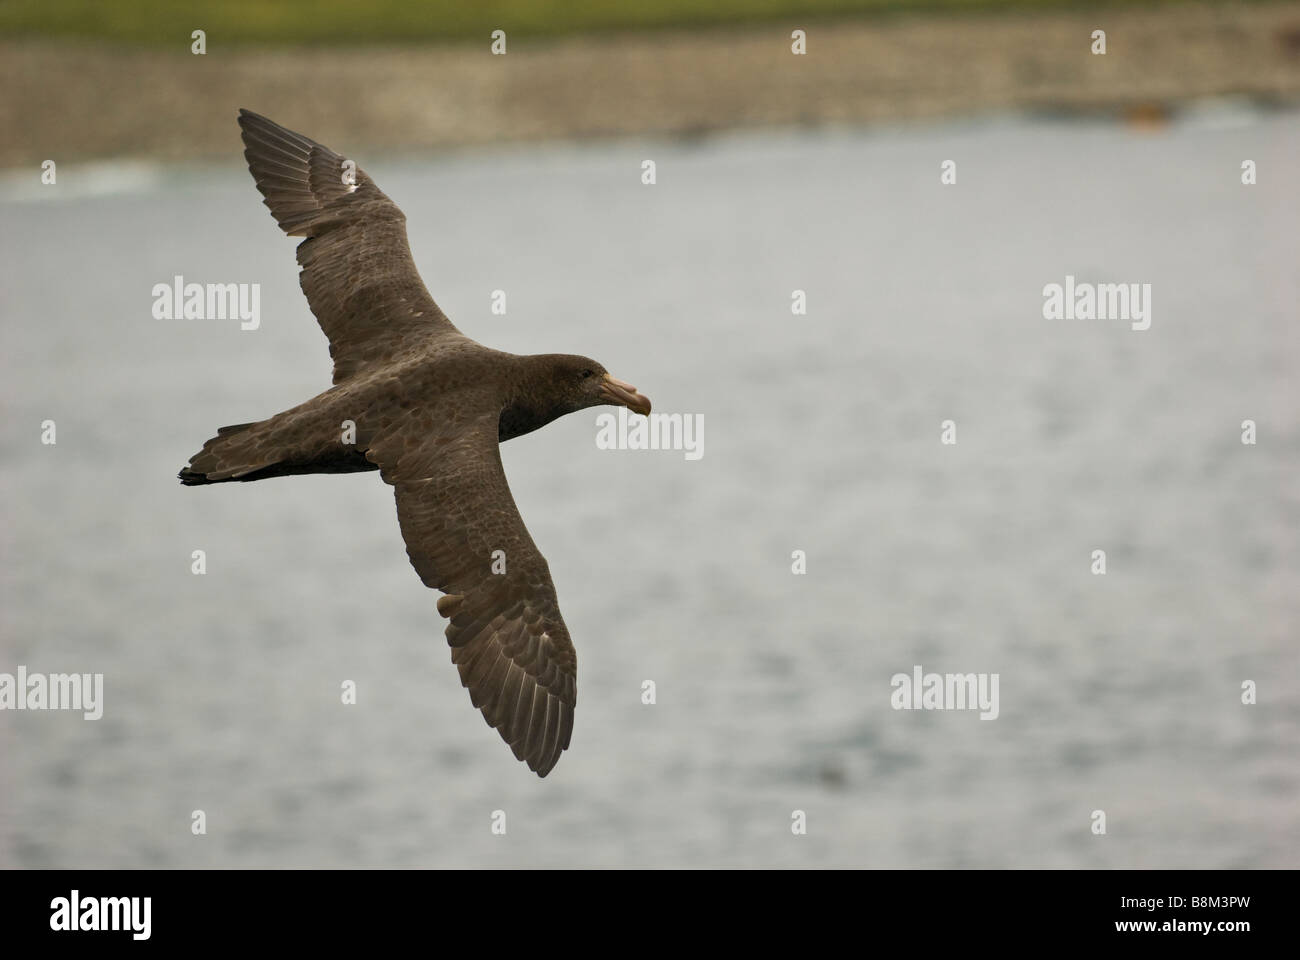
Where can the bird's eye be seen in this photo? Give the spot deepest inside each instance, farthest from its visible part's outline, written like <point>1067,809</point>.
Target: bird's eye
<point>587,374</point>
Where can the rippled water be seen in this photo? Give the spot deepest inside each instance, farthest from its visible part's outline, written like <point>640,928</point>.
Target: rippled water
<point>1118,693</point>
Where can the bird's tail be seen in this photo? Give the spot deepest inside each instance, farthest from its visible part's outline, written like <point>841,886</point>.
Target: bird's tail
<point>230,455</point>
<point>282,446</point>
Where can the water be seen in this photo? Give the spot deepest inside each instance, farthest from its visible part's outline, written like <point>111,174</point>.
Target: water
<point>1118,693</point>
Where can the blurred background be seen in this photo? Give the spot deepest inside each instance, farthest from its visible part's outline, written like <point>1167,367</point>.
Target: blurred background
<point>776,172</point>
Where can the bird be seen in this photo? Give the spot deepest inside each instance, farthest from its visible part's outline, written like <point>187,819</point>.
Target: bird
<point>428,407</point>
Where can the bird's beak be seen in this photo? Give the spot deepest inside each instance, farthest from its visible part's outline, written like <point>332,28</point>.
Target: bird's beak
<point>623,394</point>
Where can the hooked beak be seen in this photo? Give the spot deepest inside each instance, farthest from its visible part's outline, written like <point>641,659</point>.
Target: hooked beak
<point>624,395</point>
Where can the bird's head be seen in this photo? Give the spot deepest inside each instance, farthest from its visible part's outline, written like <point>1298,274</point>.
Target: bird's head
<point>585,383</point>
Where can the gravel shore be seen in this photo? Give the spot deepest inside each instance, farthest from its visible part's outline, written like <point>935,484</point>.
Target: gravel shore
<point>71,101</point>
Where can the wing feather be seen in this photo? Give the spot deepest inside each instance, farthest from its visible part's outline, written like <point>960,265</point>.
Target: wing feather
<point>507,637</point>
<point>357,270</point>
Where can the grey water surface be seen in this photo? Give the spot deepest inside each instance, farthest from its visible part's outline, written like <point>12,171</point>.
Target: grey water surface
<point>1119,693</point>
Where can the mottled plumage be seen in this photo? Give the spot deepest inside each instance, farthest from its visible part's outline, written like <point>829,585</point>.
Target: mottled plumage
<point>430,407</point>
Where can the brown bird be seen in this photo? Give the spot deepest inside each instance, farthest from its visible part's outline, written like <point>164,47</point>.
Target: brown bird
<point>428,407</point>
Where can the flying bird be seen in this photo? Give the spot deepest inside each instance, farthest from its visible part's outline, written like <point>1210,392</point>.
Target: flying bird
<point>428,407</point>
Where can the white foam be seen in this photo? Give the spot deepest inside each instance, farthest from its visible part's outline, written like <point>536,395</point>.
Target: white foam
<point>79,181</point>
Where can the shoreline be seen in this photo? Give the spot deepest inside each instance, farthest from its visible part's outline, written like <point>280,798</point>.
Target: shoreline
<point>76,101</point>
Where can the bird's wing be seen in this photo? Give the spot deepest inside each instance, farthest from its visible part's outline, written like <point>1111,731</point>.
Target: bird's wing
<point>357,269</point>
<point>465,537</point>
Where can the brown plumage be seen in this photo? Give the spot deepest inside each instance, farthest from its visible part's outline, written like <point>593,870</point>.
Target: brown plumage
<point>430,407</point>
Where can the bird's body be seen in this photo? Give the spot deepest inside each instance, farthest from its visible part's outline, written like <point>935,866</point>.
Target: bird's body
<point>439,383</point>
<point>427,406</point>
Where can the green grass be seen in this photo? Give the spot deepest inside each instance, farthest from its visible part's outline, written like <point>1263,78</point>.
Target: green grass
<point>168,23</point>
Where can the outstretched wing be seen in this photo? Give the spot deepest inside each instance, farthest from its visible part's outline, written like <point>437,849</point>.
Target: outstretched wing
<point>357,269</point>
<point>465,537</point>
